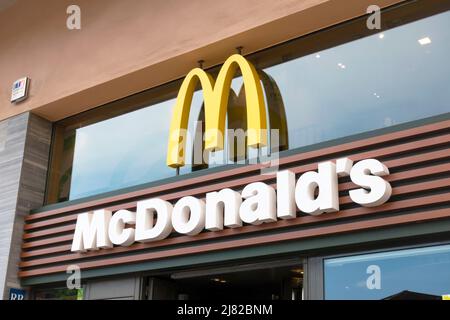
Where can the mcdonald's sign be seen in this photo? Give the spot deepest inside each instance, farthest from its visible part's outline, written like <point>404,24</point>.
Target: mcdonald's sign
<point>190,215</point>
<point>215,95</point>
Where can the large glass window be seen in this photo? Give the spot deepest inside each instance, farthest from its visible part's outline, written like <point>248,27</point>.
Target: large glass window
<point>421,273</point>
<point>120,152</point>
<point>331,84</point>
<point>388,78</point>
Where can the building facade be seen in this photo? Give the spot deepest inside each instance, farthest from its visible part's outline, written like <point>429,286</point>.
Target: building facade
<point>119,178</point>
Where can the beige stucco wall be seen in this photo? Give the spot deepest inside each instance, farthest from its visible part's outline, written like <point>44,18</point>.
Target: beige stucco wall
<point>125,46</point>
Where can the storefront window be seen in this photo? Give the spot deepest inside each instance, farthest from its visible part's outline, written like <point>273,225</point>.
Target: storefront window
<point>331,84</point>
<point>378,81</point>
<point>421,273</point>
<point>121,152</point>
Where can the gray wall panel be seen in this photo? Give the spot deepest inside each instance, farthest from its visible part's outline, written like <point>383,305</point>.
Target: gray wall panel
<point>24,152</point>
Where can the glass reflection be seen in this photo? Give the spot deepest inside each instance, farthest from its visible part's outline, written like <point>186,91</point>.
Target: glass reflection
<point>367,84</point>
<point>123,151</point>
<point>421,272</point>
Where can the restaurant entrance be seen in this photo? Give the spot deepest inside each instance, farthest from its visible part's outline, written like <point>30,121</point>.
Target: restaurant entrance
<point>278,280</point>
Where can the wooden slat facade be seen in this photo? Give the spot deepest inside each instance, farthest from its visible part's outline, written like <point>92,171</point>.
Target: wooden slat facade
<point>419,164</point>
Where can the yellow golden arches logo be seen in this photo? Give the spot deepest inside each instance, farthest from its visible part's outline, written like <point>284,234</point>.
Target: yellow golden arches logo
<point>215,96</point>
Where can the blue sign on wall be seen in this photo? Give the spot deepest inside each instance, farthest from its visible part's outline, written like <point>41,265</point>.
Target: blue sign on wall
<point>16,294</point>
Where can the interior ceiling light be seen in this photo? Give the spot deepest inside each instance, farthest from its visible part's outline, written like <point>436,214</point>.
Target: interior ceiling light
<point>297,270</point>
<point>424,41</point>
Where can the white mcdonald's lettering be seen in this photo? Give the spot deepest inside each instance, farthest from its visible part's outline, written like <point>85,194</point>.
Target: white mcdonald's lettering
<point>314,193</point>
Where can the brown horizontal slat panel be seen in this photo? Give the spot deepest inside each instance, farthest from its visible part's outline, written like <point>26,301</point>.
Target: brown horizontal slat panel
<point>419,159</point>
<point>50,222</point>
<point>415,159</point>
<point>347,147</point>
<point>48,232</point>
<point>40,252</point>
<point>377,140</point>
<point>253,241</point>
<point>44,242</point>
<point>402,190</point>
<point>300,221</point>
